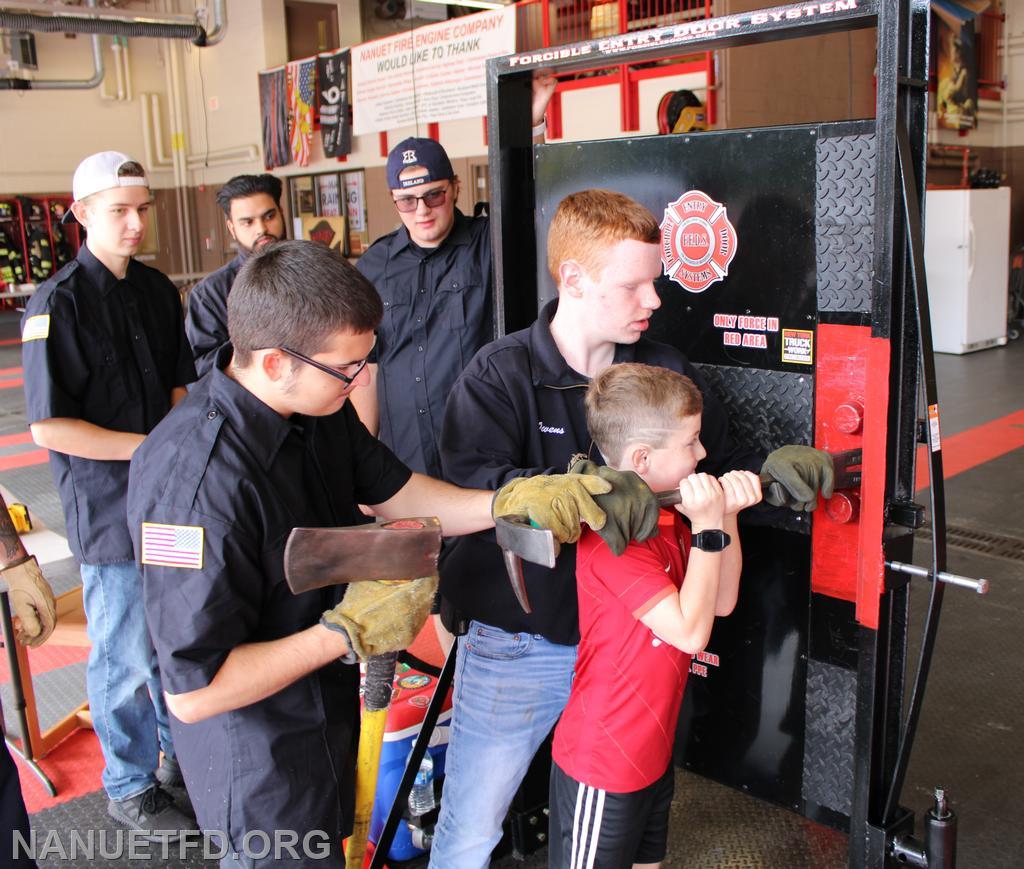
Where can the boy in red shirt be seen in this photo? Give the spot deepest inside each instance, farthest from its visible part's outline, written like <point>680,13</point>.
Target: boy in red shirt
<point>642,616</point>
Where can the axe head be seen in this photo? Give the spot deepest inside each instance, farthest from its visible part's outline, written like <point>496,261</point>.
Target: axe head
<point>399,549</point>
<point>520,540</point>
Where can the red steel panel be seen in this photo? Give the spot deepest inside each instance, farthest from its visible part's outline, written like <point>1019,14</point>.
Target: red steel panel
<point>851,410</point>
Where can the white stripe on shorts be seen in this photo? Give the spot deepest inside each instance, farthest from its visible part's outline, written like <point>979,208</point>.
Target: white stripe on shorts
<point>586,831</point>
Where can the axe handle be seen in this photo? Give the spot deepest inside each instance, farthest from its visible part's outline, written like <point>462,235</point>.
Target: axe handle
<point>380,673</point>
<point>671,497</point>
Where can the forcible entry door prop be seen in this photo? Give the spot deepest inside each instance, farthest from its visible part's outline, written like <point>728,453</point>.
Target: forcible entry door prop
<point>794,280</point>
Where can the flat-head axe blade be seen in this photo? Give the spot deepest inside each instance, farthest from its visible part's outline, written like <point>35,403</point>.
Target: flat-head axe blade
<point>519,539</point>
<point>400,549</point>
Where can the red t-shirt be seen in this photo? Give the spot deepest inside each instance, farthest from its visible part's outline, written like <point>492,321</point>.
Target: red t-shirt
<point>618,729</point>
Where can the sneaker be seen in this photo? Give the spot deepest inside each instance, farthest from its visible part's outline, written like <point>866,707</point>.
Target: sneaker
<point>153,814</point>
<point>168,774</point>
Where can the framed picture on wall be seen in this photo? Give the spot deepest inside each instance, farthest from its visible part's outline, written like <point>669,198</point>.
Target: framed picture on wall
<point>326,230</point>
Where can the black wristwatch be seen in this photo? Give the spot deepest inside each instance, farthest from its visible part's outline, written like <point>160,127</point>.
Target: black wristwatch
<point>713,540</point>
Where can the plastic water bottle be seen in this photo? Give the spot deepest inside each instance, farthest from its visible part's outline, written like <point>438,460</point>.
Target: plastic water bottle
<point>421,797</point>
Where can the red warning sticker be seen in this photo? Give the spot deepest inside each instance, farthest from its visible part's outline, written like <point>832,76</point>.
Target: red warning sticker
<point>933,427</point>
<point>697,241</point>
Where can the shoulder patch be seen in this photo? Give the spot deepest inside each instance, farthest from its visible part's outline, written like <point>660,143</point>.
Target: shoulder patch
<point>36,328</point>
<point>173,545</point>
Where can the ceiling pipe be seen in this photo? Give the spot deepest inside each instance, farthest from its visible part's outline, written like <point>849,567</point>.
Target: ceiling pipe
<point>112,22</point>
<point>63,84</point>
<point>37,7</point>
<point>220,24</point>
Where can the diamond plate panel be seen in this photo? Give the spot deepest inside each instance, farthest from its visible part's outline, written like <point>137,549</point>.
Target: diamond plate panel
<point>766,409</point>
<point>844,222</point>
<point>828,737</point>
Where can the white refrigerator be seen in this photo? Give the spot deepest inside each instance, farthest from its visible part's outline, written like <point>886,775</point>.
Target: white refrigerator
<point>967,261</point>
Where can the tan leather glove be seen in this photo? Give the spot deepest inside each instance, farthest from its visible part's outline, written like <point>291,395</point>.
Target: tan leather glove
<point>558,502</point>
<point>378,617</point>
<point>32,602</point>
<point>630,506</point>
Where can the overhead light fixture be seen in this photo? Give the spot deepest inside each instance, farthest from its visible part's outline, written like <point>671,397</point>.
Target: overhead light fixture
<point>472,4</point>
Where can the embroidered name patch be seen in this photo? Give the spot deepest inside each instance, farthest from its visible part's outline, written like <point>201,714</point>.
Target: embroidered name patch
<point>36,328</point>
<point>172,545</point>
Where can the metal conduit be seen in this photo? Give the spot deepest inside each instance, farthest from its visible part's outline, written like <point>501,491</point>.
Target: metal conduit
<point>73,24</point>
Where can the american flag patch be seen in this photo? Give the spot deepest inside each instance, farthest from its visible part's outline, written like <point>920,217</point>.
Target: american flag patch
<point>172,545</point>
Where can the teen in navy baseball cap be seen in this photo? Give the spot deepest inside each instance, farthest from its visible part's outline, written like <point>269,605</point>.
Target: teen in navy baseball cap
<point>418,153</point>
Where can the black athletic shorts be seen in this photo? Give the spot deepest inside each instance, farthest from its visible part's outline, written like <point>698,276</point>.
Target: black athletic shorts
<point>598,829</point>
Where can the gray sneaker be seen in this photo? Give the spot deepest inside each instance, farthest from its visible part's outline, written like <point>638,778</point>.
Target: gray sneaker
<point>168,774</point>
<point>153,814</point>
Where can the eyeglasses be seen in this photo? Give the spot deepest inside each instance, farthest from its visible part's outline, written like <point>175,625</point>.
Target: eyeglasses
<point>347,379</point>
<point>432,199</point>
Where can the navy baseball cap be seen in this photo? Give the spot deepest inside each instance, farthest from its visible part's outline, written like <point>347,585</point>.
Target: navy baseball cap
<point>422,153</point>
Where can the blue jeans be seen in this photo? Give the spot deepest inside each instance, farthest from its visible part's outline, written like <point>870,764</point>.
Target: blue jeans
<point>129,713</point>
<point>510,690</point>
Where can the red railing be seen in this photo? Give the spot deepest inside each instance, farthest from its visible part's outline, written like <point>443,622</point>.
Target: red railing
<point>544,23</point>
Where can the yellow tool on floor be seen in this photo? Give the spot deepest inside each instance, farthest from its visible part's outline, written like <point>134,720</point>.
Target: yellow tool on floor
<point>20,517</point>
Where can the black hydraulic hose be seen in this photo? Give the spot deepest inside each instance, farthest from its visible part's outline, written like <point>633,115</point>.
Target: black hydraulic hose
<point>936,489</point>
<point>75,24</point>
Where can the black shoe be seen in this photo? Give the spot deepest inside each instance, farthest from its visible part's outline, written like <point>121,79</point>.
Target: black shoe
<point>168,774</point>
<point>153,814</point>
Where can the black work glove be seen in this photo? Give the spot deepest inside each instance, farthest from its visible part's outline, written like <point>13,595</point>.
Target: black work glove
<point>798,472</point>
<point>630,506</point>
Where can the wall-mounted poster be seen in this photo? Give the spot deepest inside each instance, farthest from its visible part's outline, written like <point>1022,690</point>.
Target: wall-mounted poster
<point>328,231</point>
<point>956,98</point>
<point>330,202</point>
<point>332,82</point>
<point>432,73</point>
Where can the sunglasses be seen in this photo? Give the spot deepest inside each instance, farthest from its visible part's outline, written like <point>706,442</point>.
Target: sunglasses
<point>432,199</point>
<point>347,379</point>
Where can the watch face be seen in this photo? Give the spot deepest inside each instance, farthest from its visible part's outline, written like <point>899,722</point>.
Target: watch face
<point>711,541</point>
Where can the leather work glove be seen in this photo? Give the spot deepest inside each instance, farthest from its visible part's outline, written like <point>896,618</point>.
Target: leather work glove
<point>32,602</point>
<point>381,616</point>
<point>558,502</point>
<point>631,507</point>
<point>799,472</point>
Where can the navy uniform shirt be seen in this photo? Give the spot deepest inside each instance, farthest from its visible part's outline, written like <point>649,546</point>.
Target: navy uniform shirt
<point>437,314</point>
<point>517,411</point>
<point>214,493</point>
<point>207,321</point>
<point>109,352</point>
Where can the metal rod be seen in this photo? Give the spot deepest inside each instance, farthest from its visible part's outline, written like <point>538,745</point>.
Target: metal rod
<point>911,194</point>
<point>419,748</point>
<point>978,585</point>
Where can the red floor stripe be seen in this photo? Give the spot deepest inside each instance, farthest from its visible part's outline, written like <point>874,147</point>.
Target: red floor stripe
<point>11,440</point>
<point>968,449</point>
<point>4,371</point>
<point>23,460</point>
<point>47,658</point>
<point>8,341</point>
<point>13,383</point>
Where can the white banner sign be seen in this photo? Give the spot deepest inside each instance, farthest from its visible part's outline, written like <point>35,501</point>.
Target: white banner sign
<point>434,73</point>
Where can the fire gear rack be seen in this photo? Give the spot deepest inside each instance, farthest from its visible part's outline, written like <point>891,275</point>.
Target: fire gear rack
<point>828,217</point>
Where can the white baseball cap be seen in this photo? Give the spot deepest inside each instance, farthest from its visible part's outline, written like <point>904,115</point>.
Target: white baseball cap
<point>103,171</point>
